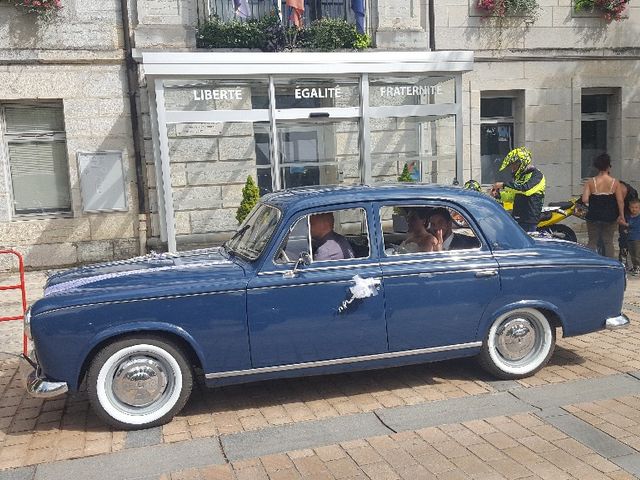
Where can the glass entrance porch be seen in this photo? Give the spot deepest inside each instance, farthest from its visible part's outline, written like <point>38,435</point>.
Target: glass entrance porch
<point>296,124</point>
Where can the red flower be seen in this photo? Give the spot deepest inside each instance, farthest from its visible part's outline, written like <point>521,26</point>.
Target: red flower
<point>611,9</point>
<point>42,8</point>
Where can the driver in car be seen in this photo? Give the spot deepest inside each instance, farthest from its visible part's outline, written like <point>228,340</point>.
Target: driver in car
<point>327,244</point>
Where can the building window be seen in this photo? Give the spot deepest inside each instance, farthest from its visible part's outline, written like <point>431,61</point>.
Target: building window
<point>37,151</point>
<point>595,120</point>
<point>496,137</point>
<point>313,10</point>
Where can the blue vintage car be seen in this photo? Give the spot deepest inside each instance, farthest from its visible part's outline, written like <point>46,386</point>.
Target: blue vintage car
<point>316,281</point>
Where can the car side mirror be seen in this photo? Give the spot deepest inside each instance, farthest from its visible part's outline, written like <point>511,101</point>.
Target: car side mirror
<point>303,259</point>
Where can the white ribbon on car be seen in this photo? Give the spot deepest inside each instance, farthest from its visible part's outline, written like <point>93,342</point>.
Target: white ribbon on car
<point>362,288</point>
<point>153,256</point>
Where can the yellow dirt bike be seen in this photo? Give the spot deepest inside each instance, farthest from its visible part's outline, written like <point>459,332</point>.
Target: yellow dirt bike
<point>554,213</point>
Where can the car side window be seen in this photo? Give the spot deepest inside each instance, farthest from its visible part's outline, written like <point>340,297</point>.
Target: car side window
<point>326,236</point>
<point>417,229</point>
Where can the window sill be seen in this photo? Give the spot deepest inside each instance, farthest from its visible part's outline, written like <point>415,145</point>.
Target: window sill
<point>24,217</point>
<point>593,14</point>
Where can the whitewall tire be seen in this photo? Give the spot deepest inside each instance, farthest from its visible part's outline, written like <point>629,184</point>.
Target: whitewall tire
<point>139,382</point>
<point>518,344</point>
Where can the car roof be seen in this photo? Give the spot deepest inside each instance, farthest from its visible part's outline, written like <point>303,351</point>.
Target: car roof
<point>307,197</point>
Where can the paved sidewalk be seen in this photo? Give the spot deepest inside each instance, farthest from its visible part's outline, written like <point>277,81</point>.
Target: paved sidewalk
<point>442,420</point>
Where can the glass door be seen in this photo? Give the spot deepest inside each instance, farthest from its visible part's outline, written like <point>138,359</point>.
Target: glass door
<point>318,152</point>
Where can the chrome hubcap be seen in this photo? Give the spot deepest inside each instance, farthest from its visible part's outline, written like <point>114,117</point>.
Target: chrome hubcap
<point>139,381</point>
<point>516,339</point>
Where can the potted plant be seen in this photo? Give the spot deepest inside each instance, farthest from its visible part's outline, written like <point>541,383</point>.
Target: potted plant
<point>608,9</point>
<point>44,9</point>
<point>504,8</point>
<point>250,196</point>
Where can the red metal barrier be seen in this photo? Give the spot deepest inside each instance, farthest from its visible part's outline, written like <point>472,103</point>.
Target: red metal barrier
<point>23,290</point>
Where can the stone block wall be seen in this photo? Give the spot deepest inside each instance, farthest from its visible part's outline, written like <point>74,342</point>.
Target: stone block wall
<point>166,23</point>
<point>80,27</point>
<point>460,25</point>
<point>551,96</point>
<point>208,172</point>
<point>75,59</point>
<point>96,117</point>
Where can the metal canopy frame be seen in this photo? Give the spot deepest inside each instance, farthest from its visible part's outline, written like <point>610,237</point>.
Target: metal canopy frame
<point>160,66</point>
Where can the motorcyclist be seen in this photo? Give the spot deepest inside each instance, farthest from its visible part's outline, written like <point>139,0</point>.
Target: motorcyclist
<point>526,190</point>
<point>472,185</point>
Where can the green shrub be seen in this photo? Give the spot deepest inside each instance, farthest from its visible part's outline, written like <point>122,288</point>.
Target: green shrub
<point>232,34</point>
<point>269,35</point>
<point>405,176</point>
<point>329,34</point>
<point>250,196</point>
<point>363,41</point>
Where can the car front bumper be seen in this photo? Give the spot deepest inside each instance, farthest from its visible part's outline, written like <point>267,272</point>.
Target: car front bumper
<point>613,323</point>
<point>37,385</point>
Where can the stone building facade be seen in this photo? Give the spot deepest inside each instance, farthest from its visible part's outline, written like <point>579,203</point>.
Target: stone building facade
<point>70,74</point>
<point>564,84</point>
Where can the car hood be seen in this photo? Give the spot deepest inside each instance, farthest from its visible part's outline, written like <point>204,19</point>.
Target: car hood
<point>149,276</point>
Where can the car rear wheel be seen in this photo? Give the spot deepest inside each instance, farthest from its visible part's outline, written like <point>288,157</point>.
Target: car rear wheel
<point>139,382</point>
<point>518,344</point>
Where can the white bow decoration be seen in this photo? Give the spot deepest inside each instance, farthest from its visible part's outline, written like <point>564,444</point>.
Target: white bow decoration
<point>362,288</point>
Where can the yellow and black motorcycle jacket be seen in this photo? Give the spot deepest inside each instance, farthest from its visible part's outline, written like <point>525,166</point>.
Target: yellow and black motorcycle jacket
<point>527,194</point>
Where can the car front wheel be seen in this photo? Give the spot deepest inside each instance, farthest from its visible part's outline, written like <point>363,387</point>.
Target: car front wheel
<point>518,344</point>
<point>139,382</point>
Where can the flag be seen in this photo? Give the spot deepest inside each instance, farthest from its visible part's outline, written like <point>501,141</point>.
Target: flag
<point>241,7</point>
<point>297,9</point>
<point>358,8</point>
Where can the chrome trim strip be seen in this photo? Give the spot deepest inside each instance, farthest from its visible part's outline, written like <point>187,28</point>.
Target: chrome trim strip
<point>448,257</point>
<point>621,321</point>
<point>341,361</point>
<point>291,285</point>
<point>323,269</point>
<point>557,265</point>
<point>437,254</point>
<point>518,252</point>
<point>433,273</point>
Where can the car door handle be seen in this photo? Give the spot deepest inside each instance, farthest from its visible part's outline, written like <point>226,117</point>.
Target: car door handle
<point>486,273</point>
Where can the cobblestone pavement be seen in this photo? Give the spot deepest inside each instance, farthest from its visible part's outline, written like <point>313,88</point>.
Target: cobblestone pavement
<point>520,446</point>
<point>526,445</point>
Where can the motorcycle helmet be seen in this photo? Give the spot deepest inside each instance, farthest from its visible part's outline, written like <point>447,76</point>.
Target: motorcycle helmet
<point>520,155</point>
<point>472,185</point>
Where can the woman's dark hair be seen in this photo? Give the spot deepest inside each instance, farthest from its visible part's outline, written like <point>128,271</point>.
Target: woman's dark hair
<point>443,212</point>
<point>602,162</point>
<point>422,213</point>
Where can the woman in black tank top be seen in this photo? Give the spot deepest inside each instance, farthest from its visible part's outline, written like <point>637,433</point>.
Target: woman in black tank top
<point>606,207</point>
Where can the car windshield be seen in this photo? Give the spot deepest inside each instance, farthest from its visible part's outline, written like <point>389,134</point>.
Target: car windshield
<point>254,233</point>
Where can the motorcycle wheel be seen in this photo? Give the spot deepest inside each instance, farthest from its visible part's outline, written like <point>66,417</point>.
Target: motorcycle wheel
<point>560,231</point>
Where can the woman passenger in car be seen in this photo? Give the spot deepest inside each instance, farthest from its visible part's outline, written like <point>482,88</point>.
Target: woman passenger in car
<point>418,239</point>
